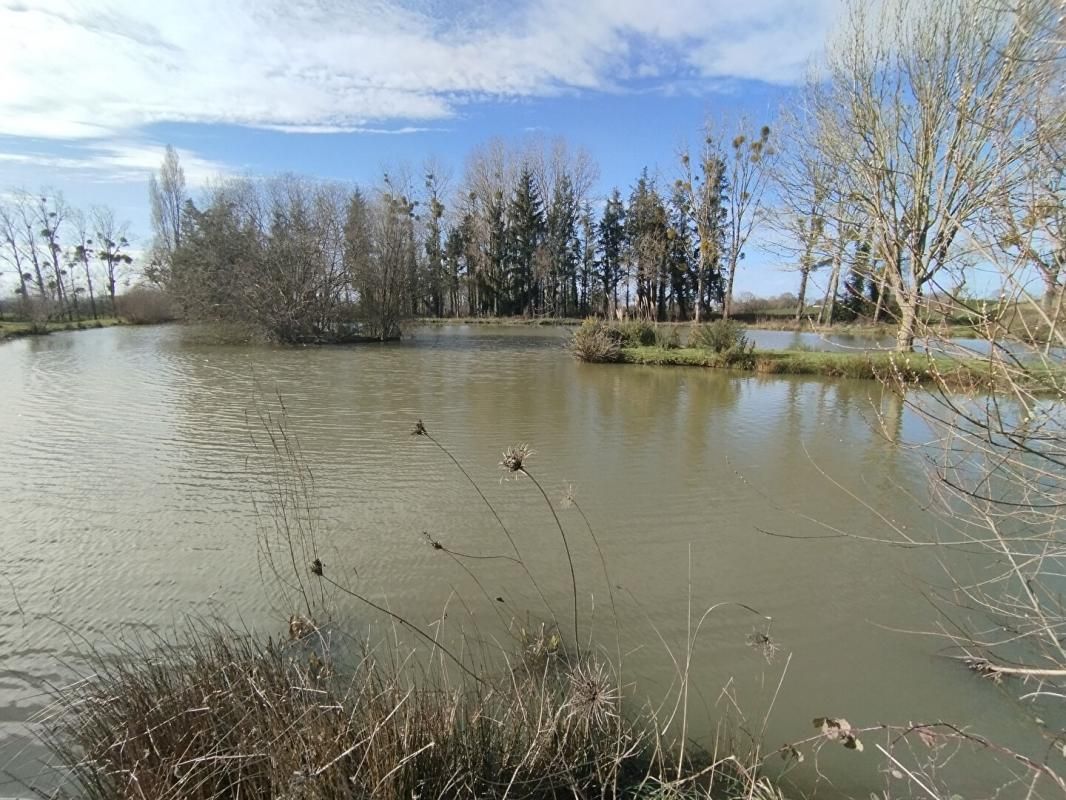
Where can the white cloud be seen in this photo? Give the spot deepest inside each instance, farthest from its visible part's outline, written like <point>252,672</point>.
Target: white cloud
<point>325,129</point>
<point>117,162</point>
<point>85,69</point>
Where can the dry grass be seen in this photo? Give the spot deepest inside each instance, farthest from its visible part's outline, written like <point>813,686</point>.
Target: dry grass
<point>218,714</point>
<point>143,305</point>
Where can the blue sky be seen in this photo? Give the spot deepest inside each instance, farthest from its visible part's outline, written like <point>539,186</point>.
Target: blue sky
<point>344,88</point>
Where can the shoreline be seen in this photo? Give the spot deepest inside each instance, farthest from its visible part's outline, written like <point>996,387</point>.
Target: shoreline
<point>907,368</point>
<point>758,323</point>
<point>11,330</point>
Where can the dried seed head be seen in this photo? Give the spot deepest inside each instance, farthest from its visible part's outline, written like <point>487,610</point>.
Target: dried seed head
<point>514,458</point>
<point>593,697</point>
<point>300,626</point>
<point>760,641</point>
<point>316,567</point>
<point>569,497</point>
<point>420,429</point>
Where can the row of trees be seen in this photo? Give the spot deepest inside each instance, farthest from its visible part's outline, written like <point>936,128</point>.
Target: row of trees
<point>517,235</point>
<point>67,263</point>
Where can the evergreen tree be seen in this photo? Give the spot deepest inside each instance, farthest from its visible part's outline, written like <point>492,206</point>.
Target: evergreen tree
<point>646,232</point>
<point>563,247</point>
<point>612,233</point>
<point>681,255</point>
<point>455,261</point>
<point>525,233</point>
<point>434,246</point>
<point>492,282</point>
<point>587,270</point>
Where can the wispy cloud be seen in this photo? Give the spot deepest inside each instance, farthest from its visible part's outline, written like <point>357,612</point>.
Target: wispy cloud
<point>371,66</point>
<point>327,129</point>
<point>116,162</point>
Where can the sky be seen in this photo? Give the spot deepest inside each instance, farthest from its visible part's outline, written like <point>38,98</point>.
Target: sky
<point>91,92</point>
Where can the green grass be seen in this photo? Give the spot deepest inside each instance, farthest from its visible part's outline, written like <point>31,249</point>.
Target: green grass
<point>910,367</point>
<point>10,329</point>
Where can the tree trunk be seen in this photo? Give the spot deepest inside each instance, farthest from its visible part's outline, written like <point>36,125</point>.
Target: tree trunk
<point>40,278</point>
<point>699,291</point>
<point>89,281</point>
<point>61,292</point>
<point>829,304</point>
<point>804,275</point>
<point>111,285</point>
<point>1052,290</point>
<point>882,287</point>
<point>727,305</point>
<point>908,307</point>
<point>23,289</point>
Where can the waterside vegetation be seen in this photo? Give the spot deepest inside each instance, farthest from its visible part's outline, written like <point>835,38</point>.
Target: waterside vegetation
<point>428,709</point>
<point>723,345</point>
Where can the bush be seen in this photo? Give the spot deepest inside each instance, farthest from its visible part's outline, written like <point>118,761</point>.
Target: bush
<point>635,333</point>
<point>667,337</point>
<point>142,305</point>
<point>595,342</point>
<point>721,336</point>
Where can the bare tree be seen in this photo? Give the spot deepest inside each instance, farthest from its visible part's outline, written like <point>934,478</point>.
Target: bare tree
<point>750,164</point>
<point>924,114</point>
<point>111,247</point>
<point>11,247</point>
<point>82,253</point>
<point>167,196</point>
<point>804,184</point>
<point>381,248</point>
<point>49,214</point>
<point>997,454</point>
<point>701,190</point>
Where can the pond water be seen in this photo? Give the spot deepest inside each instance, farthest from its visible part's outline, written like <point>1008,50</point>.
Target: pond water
<point>129,478</point>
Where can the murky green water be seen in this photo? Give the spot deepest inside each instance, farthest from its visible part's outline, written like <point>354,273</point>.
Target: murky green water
<point>127,478</point>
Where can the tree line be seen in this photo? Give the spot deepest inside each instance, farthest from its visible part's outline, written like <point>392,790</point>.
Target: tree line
<point>519,234</point>
<point>68,263</point>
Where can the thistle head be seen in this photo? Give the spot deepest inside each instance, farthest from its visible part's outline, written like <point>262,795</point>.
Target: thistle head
<point>514,458</point>
<point>420,429</point>
<point>593,697</point>
<point>761,642</point>
<point>300,627</point>
<point>316,567</point>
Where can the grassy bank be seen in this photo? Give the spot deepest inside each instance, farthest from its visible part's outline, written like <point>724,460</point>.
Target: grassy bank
<point>12,329</point>
<point>517,321</point>
<point>867,365</point>
<point>724,345</point>
<point>753,321</point>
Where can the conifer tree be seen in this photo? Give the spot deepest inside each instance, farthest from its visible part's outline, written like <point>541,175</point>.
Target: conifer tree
<point>612,234</point>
